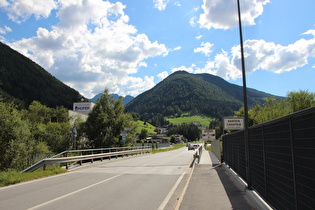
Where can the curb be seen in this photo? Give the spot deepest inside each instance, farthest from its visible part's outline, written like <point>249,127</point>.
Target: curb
<point>252,195</point>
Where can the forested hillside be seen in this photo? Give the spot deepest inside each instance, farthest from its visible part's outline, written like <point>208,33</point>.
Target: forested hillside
<point>24,81</point>
<point>205,94</point>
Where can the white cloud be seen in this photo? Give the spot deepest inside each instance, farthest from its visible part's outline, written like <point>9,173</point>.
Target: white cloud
<point>93,47</point>
<point>223,14</point>
<point>177,48</point>
<point>259,55</point>
<point>276,58</point>
<point>5,29</point>
<point>309,32</point>
<point>220,66</point>
<point>162,75</point>
<point>192,21</point>
<point>160,4</point>
<point>206,48</point>
<point>20,10</point>
<point>136,85</point>
<point>199,37</point>
<point>184,68</point>
<point>177,3</point>
<point>4,3</point>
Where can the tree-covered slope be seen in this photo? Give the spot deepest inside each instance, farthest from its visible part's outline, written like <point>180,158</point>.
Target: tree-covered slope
<point>182,92</point>
<point>24,81</point>
<point>254,96</point>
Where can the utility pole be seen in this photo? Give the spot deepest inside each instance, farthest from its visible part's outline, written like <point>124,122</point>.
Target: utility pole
<point>247,159</point>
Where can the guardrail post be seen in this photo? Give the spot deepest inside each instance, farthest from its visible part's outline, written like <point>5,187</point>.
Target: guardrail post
<point>67,167</point>
<point>102,153</point>
<point>81,160</point>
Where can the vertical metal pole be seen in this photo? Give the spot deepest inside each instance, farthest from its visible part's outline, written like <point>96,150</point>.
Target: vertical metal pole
<point>248,178</point>
<point>67,166</point>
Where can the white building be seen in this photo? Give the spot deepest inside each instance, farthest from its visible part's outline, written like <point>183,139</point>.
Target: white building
<point>80,110</point>
<point>83,107</point>
<point>208,134</point>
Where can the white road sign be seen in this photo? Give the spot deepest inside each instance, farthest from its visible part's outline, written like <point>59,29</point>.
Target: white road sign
<point>233,123</point>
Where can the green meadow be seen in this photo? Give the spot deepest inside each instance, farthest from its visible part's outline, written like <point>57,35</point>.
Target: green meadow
<point>204,121</point>
<point>147,126</point>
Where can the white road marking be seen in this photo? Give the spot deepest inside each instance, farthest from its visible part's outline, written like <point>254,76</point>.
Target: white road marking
<point>74,192</point>
<point>180,199</point>
<point>171,192</point>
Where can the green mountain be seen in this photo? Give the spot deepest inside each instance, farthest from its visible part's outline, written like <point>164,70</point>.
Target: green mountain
<point>206,94</point>
<point>125,100</point>
<point>24,81</point>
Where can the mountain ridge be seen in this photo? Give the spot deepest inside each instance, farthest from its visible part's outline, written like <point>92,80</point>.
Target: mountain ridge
<point>125,100</point>
<point>182,92</point>
<point>23,81</point>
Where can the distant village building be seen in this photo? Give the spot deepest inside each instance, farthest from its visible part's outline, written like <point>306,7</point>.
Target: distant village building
<point>196,123</point>
<point>83,107</point>
<point>161,130</point>
<point>160,138</point>
<point>208,135</point>
<point>178,137</point>
<point>80,110</point>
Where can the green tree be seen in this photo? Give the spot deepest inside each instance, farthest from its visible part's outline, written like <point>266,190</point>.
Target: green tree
<point>60,114</point>
<point>38,113</point>
<point>301,100</point>
<point>57,136</point>
<point>143,134</point>
<point>190,132</point>
<point>106,121</point>
<point>17,144</point>
<point>173,140</point>
<point>272,109</point>
<point>50,125</point>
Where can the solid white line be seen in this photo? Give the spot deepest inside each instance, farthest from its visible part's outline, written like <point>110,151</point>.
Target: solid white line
<point>180,199</point>
<point>74,192</point>
<point>169,195</point>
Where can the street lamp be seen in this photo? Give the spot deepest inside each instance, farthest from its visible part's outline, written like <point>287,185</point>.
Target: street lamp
<point>247,159</point>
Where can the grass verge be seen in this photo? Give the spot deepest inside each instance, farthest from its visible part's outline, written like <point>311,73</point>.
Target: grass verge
<point>13,177</point>
<point>176,146</point>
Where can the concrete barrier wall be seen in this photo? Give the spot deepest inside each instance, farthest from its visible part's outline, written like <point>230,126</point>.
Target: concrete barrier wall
<point>215,149</point>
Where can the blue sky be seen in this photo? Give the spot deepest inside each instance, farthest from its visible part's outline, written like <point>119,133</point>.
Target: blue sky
<point>129,46</point>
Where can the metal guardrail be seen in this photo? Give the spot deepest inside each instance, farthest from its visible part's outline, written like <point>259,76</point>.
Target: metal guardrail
<point>70,156</point>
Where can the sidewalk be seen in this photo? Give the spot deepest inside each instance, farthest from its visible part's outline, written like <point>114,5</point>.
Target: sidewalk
<point>213,187</point>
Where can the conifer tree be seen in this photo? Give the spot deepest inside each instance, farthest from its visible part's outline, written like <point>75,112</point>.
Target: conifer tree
<point>106,122</point>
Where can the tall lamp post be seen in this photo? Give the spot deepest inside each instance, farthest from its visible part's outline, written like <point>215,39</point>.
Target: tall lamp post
<point>248,177</point>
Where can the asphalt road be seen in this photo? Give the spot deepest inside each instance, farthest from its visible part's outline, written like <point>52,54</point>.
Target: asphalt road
<point>152,181</point>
